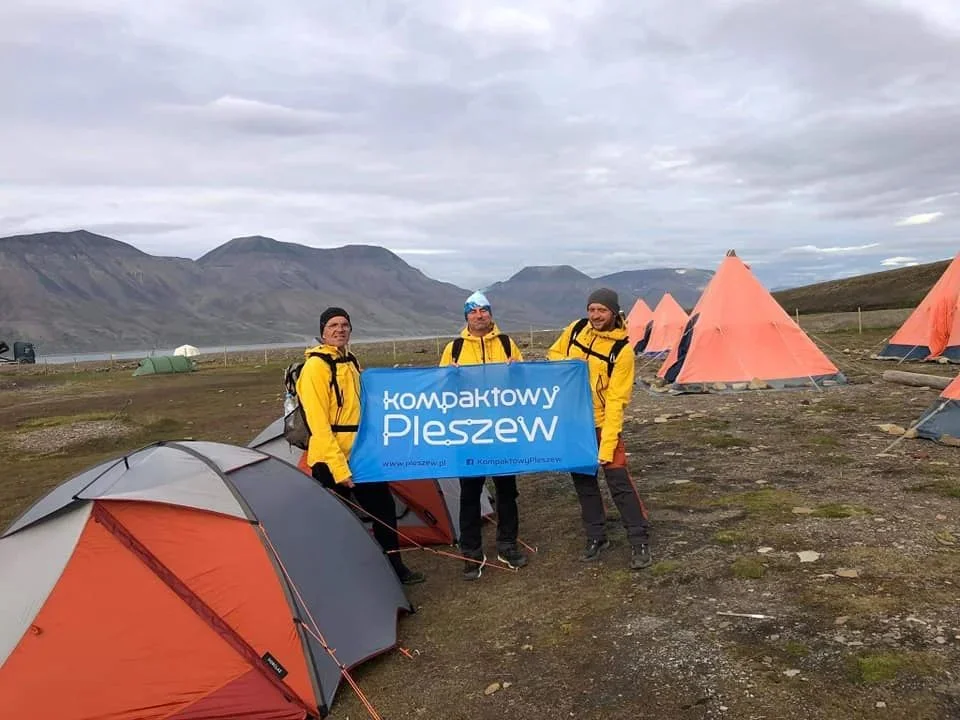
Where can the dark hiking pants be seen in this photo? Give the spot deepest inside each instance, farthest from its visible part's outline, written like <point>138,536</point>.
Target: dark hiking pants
<point>376,500</point>
<point>633,514</point>
<point>508,517</point>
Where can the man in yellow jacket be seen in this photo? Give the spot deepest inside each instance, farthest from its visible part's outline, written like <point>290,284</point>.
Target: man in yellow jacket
<point>329,392</point>
<point>602,340</point>
<point>482,342</point>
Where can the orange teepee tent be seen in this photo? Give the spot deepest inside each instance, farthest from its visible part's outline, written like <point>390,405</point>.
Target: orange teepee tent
<point>738,333</point>
<point>933,328</point>
<point>941,421</point>
<point>666,327</point>
<point>637,321</point>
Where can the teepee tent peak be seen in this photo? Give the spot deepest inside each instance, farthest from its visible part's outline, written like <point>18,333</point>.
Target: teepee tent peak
<point>739,335</point>
<point>665,328</point>
<point>731,253</point>
<point>640,314</point>
<point>933,329</point>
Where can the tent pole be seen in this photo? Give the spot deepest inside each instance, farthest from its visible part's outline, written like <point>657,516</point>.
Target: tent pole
<point>917,424</point>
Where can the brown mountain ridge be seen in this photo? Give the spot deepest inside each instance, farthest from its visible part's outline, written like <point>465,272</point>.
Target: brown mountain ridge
<point>82,292</point>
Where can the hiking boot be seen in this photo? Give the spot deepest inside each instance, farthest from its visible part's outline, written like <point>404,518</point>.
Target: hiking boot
<point>640,557</point>
<point>512,557</point>
<point>593,549</point>
<point>473,567</point>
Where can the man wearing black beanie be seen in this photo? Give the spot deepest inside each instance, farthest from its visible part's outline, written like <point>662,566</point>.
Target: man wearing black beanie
<point>329,392</point>
<point>601,340</point>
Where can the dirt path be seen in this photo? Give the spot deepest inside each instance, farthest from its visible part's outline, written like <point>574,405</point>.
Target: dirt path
<point>737,486</point>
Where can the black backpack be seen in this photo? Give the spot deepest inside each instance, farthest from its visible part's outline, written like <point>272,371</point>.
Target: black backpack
<point>458,347</point>
<point>295,427</point>
<point>609,359</point>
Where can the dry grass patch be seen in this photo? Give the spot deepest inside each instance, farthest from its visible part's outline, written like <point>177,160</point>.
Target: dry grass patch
<point>875,668</point>
<point>768,503</point>
<point>723,440</point>
<point>664,567</point>
<point>730,537</point>
<point>943,488</point>
<point>60,437</point>
<point>747,568</point>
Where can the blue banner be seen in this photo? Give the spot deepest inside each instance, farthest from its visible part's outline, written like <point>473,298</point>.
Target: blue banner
<point>474,420</point>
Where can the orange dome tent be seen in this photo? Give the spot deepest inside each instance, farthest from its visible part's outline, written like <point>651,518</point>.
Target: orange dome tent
<point>189,580</point>
<point>941,421</point>
<point>666,328</point>
<point>738,333</point>
<point>428,511</point>
<point>637,321</point>
<point>933,328</point>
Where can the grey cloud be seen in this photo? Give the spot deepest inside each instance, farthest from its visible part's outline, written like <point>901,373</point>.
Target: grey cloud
<point>135,228</point>
<point>839,51</point>
<point>605,133</point>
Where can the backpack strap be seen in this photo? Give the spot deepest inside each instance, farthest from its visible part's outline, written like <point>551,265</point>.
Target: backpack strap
<point>609,359</point>
<point>458,347</point>
<point>577,327</point>
<point>334,383</point>
<point>614,352</point>
<point>507,346</point>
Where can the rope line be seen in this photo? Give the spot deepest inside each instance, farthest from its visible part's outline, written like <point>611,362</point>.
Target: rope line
<point>418,546</point>
<point>315,631</point>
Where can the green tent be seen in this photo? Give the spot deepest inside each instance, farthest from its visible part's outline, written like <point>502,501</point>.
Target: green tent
<point>163,364</point>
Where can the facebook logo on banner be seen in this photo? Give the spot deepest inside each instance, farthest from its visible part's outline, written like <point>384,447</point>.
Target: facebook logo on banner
<point>498,419</point>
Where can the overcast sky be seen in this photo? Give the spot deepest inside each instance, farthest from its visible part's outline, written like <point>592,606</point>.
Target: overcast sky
<point>819,138</point>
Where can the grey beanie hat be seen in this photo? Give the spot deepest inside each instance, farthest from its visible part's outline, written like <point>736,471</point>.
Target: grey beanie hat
<point>606,297</point>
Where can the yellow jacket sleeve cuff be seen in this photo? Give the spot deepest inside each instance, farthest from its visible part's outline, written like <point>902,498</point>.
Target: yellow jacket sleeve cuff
<point>340,470</point>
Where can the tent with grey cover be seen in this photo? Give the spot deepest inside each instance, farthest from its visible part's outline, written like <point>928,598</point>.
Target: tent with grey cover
<point>428,511</point>
<point>189,580</point>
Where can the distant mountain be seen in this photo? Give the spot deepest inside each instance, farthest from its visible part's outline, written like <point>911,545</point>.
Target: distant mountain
<point>560,292</point>
<point>78,291</point>
<point>888,289</point>
<point>284,285</point>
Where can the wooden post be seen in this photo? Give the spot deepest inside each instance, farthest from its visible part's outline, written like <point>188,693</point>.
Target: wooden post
<point>859,320</point>
<point>531,336</point>
<point>438,346</point>
<point>224,355</point>
<point>797,314</point>
<point>394,350</point>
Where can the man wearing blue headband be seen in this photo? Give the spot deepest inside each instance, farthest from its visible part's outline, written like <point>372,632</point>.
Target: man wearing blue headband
<point>482,342</point>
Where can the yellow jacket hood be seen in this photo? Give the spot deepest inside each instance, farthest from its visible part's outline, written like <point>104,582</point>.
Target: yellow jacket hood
<point>476,350</point>
<point>612,390</point>
<point>329,392</point>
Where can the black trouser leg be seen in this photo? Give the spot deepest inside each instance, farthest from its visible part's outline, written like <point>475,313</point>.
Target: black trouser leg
<point>508,516</point>
<point>471,540</point>
<point>628,502</point>
<point>591,506</point>
<point>376,500</point>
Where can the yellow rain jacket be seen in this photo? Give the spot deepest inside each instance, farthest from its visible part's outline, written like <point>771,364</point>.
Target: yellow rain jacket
<point>611,394</point>
<point>332,421</point>
<point>476,351</point>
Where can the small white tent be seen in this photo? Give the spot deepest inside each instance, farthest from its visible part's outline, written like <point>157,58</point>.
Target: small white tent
<point>187,351</point>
